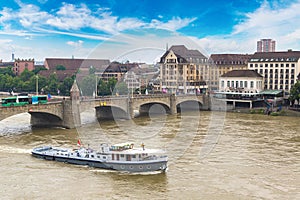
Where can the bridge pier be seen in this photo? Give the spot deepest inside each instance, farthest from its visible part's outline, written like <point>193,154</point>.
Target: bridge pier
<point>173,107</point>
<point>71,114</point>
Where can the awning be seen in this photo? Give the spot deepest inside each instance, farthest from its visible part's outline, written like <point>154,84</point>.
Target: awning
<point>271,92</point>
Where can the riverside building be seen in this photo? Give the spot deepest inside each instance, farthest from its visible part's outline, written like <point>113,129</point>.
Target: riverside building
<point>279,69</point>
<point>184,71</point>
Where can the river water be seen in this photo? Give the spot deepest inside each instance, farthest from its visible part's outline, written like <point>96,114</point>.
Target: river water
<point>213,155</point>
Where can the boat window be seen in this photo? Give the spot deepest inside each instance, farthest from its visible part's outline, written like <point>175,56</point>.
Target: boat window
<point>133,156</point>
<point>122,155</point>
<point>104,157</point>
<point>141,167</point>
<point>98,156</point>
<point>92,156</point>
<point>148,167</point>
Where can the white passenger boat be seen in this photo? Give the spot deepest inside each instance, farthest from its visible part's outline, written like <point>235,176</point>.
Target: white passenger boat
<point>120,157</point>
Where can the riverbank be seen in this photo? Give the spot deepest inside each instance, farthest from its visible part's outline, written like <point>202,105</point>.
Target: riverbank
<point>283,112</point>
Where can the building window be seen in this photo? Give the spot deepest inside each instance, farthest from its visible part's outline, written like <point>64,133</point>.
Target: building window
<point>222,84</point>
<point>228,83</point>
<point>241,84</point>
<point>232,83</point>
<point>237,84</point>
<point>245,84</point>
<point>251,84</point>
<point>287,65</point>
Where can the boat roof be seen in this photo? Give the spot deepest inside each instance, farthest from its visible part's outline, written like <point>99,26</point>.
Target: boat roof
<point>123,144</point>
<point>139,151</point>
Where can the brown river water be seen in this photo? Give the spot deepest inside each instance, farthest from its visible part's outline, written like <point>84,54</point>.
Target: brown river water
<point>213,155</point>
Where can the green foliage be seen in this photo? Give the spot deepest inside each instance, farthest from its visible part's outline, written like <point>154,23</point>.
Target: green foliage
<point>121,88</point>
<point>274,114</point>
<point>107,88</point>
<point>60,67</point>
<point>295,93</point>
<point>92,70</point>
<point>27,81</point>
<point>88,85</point>
<point>38,69</point>
<point>7,70</point>
<point>26,75</point>
<point>66,85</point>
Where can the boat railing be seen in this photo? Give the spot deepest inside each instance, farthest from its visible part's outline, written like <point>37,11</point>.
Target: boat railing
<point>155,157</point>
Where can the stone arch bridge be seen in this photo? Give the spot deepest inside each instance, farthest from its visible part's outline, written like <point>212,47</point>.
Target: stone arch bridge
<point>66,113</point>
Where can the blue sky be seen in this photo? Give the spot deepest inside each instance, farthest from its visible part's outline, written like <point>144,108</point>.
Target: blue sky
<point>140,30</point>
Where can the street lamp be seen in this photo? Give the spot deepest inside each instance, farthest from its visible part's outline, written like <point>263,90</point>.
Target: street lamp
<point>37,85</point>
<point>96,85</point>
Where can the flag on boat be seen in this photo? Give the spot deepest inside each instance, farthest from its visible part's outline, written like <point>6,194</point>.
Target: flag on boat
<point>79,143</point>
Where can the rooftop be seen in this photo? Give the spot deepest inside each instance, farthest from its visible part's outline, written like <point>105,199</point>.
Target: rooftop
<point>278,56</point>
<point>242,73</point>
<point>230,59</point>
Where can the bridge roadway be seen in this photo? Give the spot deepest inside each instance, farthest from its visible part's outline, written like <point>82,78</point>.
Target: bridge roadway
<point>66,113</point>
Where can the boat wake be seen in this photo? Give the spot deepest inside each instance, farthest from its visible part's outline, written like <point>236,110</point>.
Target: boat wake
<point>9,126</point>
<point>14,150</point>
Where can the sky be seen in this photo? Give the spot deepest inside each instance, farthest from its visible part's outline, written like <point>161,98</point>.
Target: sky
<point>140,31</point>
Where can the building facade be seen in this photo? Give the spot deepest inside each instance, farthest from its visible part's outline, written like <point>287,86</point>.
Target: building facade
<point>116,70</point>
<point>266,45</point>
<point>241,82</point>
<point>21,64</point>
<point>229,62</point>
<point>182,71</point>
<point>279,69</point>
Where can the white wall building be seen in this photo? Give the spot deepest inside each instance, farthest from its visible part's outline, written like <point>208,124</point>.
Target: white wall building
<point>279,69</point>
<point>241,82</point>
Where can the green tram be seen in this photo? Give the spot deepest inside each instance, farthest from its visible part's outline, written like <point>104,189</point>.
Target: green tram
<point>22,100</point>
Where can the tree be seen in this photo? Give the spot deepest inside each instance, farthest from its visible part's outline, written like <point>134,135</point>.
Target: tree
<point>295,93</point>
<point>8,70</point>
<point>103,88</point>
<point>65,86</point>
<point>60,67</point>
<point>121,88</point>
<point>92,70</point>
<point>88,85</point>
<point>52,84</point>
<point>26,75</point>
<point>38,69</point>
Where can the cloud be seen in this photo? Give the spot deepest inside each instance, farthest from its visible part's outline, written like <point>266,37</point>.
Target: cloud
<point>76,44</point>
<point>70,17</point>
<point>174,24</point>
<point>279,23</point>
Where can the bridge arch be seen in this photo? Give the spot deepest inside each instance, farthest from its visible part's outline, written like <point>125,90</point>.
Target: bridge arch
<point>111,112</point>
<point>154,108</point>
<point>188,105</point>
<point>45,119</point>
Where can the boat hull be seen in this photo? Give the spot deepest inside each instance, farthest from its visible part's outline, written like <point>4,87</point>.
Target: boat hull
<point>122,166</point>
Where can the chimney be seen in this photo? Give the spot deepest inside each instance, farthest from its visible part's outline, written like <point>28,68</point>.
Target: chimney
<point>13,57</point>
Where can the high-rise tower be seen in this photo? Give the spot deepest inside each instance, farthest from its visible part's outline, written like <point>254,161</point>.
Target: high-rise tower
<point>266,45</point>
